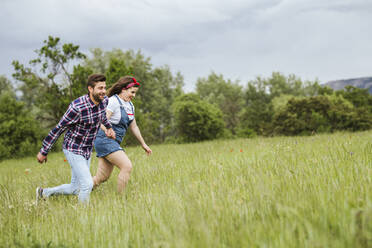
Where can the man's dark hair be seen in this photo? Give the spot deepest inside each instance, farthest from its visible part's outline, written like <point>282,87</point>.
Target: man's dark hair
<point>94,79</point>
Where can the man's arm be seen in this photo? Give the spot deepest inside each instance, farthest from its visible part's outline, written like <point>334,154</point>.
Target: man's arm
<point>110,133</point>
<point>105,118</point>
<point>69,118</point>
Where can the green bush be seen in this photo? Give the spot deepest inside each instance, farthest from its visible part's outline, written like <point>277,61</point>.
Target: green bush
<point>20,134</point>
<point>197,120</point>
<point>303,116</point>
<point>245,132</point>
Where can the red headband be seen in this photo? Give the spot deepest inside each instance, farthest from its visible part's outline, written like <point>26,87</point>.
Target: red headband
<point>132,84</point>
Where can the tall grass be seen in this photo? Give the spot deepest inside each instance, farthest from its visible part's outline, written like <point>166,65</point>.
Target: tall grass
<point>264,192</point>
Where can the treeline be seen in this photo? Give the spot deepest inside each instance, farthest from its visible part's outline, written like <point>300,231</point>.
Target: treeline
<point>219,107</point>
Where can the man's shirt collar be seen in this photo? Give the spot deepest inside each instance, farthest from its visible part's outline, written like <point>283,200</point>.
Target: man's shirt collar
<point>91,103</point>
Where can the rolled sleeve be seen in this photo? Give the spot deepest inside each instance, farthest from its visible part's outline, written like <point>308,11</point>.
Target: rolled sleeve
<point>106,123</point>
<point>108,104</point>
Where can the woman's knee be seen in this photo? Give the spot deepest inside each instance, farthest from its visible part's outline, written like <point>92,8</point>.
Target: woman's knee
<point>103,172</point>
<point>124,173</point>
<point>100,178</point>
<point>127,168</point>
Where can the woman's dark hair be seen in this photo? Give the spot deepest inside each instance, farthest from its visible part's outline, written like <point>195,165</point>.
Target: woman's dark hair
<point>94,79</point>
<point>122,83</point>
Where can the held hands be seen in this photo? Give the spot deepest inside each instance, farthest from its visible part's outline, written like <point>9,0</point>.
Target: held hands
<point>147,149</point>
<point>110,133</point>
<point>41,158</point>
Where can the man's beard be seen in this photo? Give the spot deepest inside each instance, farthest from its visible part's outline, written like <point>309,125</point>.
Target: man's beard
<point>97,98</point>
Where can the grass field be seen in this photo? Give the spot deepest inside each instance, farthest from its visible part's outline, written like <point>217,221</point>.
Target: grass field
<point>265,192</point>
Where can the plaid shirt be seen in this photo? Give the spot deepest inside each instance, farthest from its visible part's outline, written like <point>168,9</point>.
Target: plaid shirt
<point>82,119</point>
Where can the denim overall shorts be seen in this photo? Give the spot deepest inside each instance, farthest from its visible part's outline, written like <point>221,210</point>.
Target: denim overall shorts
<point>105,145</point>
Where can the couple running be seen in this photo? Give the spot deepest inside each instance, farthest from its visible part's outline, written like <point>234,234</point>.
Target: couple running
<point>100,119</point>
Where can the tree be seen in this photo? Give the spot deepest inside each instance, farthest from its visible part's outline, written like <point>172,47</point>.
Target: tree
<point>157,92</point>
<point>226,95</point>
<point>324,90</point>
<point>360,98</point>
<point>197,120</point>
<point>49,78</point>
<point>320,114</point>
<point>20,134</point>
<point>5,85</point>
<point>79,80</point>
<point>258,110</point>
<point>116,69</point>
<point>262,94</point>
<point>279,84</point>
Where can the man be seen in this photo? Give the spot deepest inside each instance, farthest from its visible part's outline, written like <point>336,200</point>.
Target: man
<point>82,121</point>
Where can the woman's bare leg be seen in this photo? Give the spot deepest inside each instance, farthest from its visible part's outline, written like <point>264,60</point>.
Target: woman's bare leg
<point>103,171</point>
<point>121,160</point>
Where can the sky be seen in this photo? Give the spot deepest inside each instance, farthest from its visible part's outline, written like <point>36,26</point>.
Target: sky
<point>240,39</point>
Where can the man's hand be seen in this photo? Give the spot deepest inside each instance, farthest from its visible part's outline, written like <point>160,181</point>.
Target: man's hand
<point>147,149</point>
<point>110,133</point>
<point>41,158</point>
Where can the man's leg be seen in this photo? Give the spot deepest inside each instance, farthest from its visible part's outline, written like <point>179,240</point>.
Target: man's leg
<point>80,168</point>
<point>64,189</point>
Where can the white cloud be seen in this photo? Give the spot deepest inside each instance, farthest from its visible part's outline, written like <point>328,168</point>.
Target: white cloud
<point>239,39</point>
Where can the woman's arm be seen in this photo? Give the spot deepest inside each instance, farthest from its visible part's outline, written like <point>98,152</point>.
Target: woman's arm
<point>136,132</point>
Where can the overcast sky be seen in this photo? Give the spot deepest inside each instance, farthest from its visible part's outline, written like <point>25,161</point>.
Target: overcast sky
<point>313,39</point>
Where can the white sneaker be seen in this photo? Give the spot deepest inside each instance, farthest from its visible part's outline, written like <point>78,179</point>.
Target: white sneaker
<point>39,194</point>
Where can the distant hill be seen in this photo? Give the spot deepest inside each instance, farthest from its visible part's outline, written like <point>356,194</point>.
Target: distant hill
<point>364,83</point>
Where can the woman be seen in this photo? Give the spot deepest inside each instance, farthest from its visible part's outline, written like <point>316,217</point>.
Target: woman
<point>120,113</point>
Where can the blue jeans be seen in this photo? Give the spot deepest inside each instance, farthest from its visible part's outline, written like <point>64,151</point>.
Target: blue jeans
<point>81,179</point>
